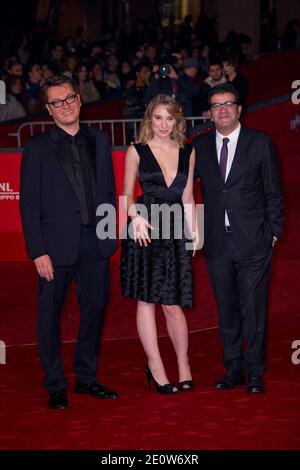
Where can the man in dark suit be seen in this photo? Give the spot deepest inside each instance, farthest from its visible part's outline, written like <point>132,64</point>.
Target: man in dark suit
<point>243,218</point>
<point>66,174</point>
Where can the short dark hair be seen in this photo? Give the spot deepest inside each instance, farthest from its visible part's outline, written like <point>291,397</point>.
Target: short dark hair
<point>215,61</point>
<point>11,80</point>
<point>12,62</point>
<point>148,45</point>
<point>57,80</point>
<point>31,65</point>
<point>232,59</point>
<point>140,65</point>
<point>55,45</point>
<point>221,90</point>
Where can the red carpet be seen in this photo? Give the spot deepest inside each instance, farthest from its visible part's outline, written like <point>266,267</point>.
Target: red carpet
<point>203,419</point>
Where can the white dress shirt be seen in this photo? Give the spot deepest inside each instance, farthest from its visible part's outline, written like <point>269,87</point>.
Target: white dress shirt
<point>231,145</point>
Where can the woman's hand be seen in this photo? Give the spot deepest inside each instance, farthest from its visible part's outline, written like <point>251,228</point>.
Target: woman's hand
<point>141,230</point>
<point>195,245</point>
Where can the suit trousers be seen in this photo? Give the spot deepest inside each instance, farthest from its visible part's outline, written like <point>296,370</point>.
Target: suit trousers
<point>91,273</point>
<point>240,284</point>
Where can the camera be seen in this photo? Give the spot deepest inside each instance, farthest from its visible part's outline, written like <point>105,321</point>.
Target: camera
<point>164,70</point>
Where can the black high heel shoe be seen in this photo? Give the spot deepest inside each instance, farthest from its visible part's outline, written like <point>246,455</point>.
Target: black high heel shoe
<point>186,386</point>
<point>166,389</point>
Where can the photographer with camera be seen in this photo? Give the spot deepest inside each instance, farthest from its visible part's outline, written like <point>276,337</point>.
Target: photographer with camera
<point>165,82</point>
<point>182,88</point>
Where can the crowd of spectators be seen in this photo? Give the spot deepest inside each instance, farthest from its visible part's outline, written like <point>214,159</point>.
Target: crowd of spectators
<point>184,60</point>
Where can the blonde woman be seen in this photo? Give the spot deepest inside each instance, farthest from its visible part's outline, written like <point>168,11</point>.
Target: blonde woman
<point>156,267</point>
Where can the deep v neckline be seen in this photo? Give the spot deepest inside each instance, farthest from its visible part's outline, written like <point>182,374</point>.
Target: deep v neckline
<point>163,176</point>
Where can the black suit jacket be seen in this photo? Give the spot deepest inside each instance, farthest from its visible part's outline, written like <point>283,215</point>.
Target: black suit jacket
<point>49,206</point>
<point>251,195</point>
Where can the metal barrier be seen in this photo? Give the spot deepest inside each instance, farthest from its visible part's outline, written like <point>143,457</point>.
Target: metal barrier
<point>121,131</point>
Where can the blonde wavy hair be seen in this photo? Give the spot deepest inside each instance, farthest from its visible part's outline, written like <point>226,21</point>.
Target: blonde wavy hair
<point>178,133</point>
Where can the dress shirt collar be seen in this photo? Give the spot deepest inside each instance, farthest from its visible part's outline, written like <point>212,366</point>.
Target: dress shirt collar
<point>233,136</point>
<point>69,137</point>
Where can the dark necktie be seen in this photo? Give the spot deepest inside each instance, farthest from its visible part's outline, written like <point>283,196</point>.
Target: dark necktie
<point>78,175</point>
<point>224,157</point>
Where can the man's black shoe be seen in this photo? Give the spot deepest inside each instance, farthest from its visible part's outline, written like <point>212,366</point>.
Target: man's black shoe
<point>255,382</point>
<point>231,379</point>
<point>58,400</point>
<point>96,390</point>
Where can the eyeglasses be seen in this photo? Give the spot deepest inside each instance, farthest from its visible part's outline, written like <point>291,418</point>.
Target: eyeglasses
<point>227,105</point>
<point>59,103</point>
